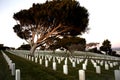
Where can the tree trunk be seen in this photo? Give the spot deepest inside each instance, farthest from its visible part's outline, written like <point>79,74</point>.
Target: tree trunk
<point>32,50</point>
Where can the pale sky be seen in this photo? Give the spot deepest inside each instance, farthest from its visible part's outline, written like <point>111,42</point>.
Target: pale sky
<point>104,20</point>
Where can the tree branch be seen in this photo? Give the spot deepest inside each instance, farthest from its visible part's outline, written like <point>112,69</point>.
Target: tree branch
<point>48,34</point>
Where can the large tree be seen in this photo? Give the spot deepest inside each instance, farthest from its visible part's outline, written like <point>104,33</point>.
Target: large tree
<point>51,19</point>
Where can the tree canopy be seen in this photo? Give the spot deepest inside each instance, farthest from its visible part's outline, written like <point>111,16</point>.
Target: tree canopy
<point>106,46</point>
<point>24,47</point>
<point>51,19</point>
<point>69,43</point>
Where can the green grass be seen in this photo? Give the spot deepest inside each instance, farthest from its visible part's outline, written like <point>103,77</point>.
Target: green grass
<point>90,72</point>
<point>92,75</point>
<point>34,71</point>
<point>5,73</point>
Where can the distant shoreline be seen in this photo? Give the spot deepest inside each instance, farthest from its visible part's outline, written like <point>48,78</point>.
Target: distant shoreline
<point>117,50</point>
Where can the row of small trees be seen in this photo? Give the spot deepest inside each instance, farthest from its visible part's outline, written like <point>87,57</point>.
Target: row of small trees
<point>104,48</point>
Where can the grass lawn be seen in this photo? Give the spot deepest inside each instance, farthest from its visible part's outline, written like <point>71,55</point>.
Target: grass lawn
<point>34,71</point>
<point>5,73</point>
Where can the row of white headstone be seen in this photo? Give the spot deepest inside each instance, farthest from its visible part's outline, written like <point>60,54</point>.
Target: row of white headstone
<point>98,69</point>
<point>65,66</point>
<point>107,64</point>
<point>73,61</point>
<point>111,65</point>
<point>37,53</point>
<point>59,59</point>
<point>48,58</point>
<point>11,65</point>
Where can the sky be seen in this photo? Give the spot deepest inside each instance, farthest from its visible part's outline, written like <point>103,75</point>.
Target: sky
<point>104,20</point>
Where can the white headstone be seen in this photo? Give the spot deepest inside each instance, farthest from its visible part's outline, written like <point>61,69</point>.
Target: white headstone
<point>95,64</point>
<point>54,65</point>
<point>59,61</point>
<point>13,69</point>
<point>17,75</point>
<point>45,57</point>
<point>86,61</point>
<point>98,61</point>
<point>36,60</point>
<point>81,60</point>
<point>62,58</point>
<point>40,61</point>
<point>73,64</point>
<point>66,61</point>
<point>26,56</point>
<point>46,63</point>
<point>32,58</point>
<point>29,57</point>
<point>10,64</point>
<point>98,70</point>
<point>78,61</point>
<point>81,74</point>
<point>84,66</point>
<point>114,63</point>
<point>101,63</point>
<point>65,69</point>
<point>117,74</point>
<point>111,65</point>
<point>49,58</point>
<point>106,66</point>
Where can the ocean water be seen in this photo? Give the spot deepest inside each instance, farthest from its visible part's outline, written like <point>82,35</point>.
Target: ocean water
<point>117,50</point>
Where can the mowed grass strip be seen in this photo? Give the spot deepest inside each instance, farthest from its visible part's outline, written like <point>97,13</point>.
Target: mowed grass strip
<point>33,71</point>
<point>5,73</point>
